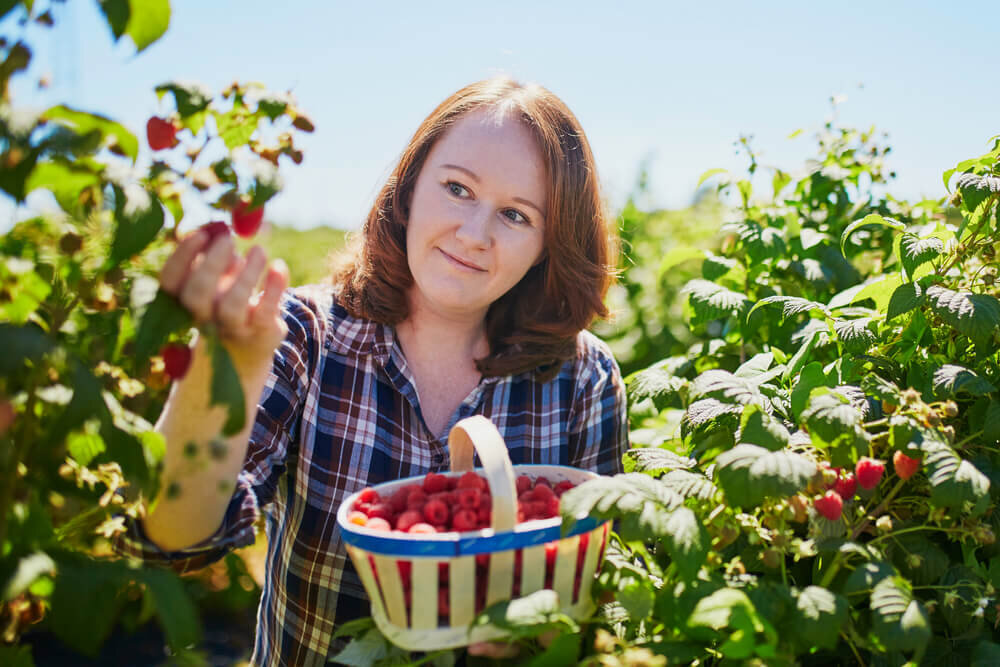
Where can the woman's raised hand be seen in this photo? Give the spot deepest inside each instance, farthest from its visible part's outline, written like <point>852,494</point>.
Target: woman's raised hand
<point>219,287</point>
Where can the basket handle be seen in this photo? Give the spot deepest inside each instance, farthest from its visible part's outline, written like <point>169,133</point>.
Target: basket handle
<point>480,435</point>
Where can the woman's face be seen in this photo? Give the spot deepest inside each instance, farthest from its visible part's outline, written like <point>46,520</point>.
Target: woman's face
<point>477,215</point>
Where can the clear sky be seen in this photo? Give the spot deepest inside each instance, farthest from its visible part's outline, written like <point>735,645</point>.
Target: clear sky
<point>672,83</point>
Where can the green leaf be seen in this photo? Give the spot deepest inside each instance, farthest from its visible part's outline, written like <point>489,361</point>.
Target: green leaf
<point>538,608</point>
<point>687,542</point>
<point>950,380</point>
<point>86,600</point>
<point>678,255</point>
<point>724,271</point>
<point>834,424</point>
<point>236,126</point>
<point>144,21</point>
<point>82,122</point>
<point>819,618</point>
<point>709,174</point>
<point>755,365</point>
<point>728,388</point>
<point>870,219</point>
<point>748,474</point>
<point>21,344</point>
<point>710,301</point>
<point>975,315</point>
<point>689,484</point>
<point>226,388</point>
<point>761,243</point>
<point>955,482</point>
<point>708,415</point>
<point>163,317</point>
<point>976,189</point>
<point>637,597</point>
<point>665,389</point>
<point>880,389</point>
<point>916,251</point>
<point>175,610</point>
<point>64,179</point>
<point>563,651</point>
<point>985,654</point>
<point>866,576</point>
<point>759,428</point>
<point>189,98</point>
<point>855,335</point>
<point>919,560</point>
<point>812,376</point>
<point>607,497</point>
<point>791,306</point>
<point>83,447</point>
<point>656,459</point>
<point>904,298</point>
<point>139,218</point>
<point>899,620</point>
<point>86,403</point>
<point>364,651</point>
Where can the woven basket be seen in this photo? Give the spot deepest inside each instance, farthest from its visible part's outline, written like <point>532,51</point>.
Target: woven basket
<point>400,572</point>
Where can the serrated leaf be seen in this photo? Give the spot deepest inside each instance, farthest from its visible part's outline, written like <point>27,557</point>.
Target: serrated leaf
<point>163,317</point>
<point>723,385</point>
<point>951,379</point>
<point>617,496</point>
<point>84,447</point>
<point>855,335</point>
<point>678,255</point>
<point>175,610</point>
<point>189,98</point>
<point>954,480</point>
<point>687,542</point>
<point>538,608</point>
<point>637,598</point>
<point>755,365</point>
<point>710,301</point>
<point>138,219</point>
<point>748,474</point>
<point>659,385</point>
<point>708,414</point>
<point>723,270</point>
<point>904,298</point>
<point>83,122</point>
<point>227,390</point>
<point>880,389</point>
<point>975,315</point>
<point>870,219</point>
<point>791,306</point>
<point>689,484</point>
<point>761,243</point>
<point>976,189</point>
<point>829,415</point>
<point>812,376</point>
<point>654,459</point>
<point>916,251</point>
<point>757,427</point>
<point>898,619</point>
<point>866,576</point>
<point>820,614</point>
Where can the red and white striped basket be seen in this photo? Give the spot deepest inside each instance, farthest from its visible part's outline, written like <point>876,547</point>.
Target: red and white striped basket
<point>406,575</point>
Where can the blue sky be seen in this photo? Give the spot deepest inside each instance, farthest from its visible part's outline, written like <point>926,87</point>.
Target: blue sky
<point>670,83</point>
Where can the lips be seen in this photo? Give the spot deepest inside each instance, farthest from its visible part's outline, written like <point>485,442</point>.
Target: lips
<point>461,262</point>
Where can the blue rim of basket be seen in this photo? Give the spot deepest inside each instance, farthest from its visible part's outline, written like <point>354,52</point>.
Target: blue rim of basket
<point>446,545</point>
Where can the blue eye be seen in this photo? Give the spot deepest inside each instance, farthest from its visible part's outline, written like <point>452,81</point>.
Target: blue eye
<point>515,216</point>
<point>456,188</point>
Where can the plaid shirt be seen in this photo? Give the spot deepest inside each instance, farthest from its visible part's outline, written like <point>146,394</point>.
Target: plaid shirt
<point>339,413</point>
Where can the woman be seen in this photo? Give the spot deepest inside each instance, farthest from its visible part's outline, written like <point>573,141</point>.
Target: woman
<point>485,256</point>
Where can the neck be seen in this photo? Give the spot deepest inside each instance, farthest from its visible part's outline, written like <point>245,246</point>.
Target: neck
<point>448,340</point>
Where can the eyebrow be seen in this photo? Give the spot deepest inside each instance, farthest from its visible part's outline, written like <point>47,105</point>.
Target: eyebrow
<point>473,176</point>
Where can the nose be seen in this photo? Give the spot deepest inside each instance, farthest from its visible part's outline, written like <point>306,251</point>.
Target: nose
<point>474,228</point>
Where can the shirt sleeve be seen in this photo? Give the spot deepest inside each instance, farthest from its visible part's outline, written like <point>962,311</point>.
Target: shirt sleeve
<point>598,425</point>
<point>278,415</point>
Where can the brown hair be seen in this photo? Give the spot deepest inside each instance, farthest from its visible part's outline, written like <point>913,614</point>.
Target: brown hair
<point>534,325</point>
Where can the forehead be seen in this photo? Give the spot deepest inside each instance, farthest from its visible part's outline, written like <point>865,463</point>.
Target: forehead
<point>494,146</point>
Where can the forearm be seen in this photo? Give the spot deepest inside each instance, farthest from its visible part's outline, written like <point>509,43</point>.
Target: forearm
<point>200,465</point>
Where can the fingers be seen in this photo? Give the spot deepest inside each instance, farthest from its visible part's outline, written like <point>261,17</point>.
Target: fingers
<point>178,265</point>
<point>266,309</point>
<point>198,292</point>
<point>232,308</point>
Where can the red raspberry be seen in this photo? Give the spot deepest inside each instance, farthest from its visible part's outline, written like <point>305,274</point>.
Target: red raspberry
<point>450,483</point>
<point>176,360</point>
<point>846,486</point>
<point>543,493</point>
<point>215,229</point>
<point>562,487</point>
<point>543,480</point>
<point>551,507</point>
<point>464,520</point>
<point>470,480</point>
<point>381,511</point>
<point>369,496</point>
<point>398,500</point>
<point>246,220</point>
<point>160,133</point>
<point>436,512</point>
<point>469,498</point>
<point>378,523</point>
<point>408,519</point>
<point>364,508</point>
<point>417,499</point>
<point>905,466</point>
<point>523,484</point>
<point>831,505</point>
<point>421,529</point>
<point>869,472</point>
<point>483,514</point>
<point>435,483</point>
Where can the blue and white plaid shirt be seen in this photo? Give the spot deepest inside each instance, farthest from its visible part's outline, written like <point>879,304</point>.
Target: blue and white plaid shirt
<point>339,413</point>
